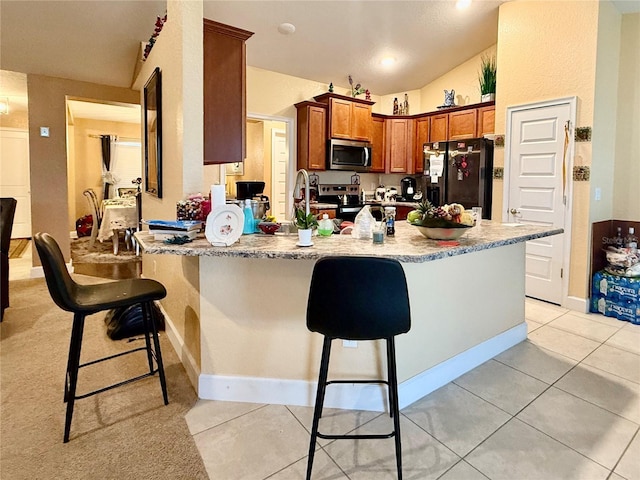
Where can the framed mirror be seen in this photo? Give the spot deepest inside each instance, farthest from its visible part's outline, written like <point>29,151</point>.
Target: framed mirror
<point>153,134</point>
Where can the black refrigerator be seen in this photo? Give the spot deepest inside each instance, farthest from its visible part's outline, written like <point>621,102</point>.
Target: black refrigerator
<point>459,171</point>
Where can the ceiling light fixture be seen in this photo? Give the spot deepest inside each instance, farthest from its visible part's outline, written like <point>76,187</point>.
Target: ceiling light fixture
<point>388,61</point>
<point>463,4</point>
<point>286,28</point>
<point>4,106</point>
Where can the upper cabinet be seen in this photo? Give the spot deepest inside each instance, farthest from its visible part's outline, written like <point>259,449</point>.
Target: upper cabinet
<point>462,124</point>
<point>312,144</point>
<point>439,128</point>
<point>399,145</point>
<point>377,143</point>
<point>423,125</point>
<point>486,120</point>
<point>225,110</point>
<point>348,118</point>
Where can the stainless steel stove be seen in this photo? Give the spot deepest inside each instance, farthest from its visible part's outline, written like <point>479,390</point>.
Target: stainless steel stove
<point>346,197</point>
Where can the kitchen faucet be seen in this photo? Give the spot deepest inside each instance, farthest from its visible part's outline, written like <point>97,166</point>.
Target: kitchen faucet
<point>296,190</point>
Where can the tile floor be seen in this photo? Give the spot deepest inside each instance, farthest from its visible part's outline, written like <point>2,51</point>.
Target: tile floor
<point>565,404</point>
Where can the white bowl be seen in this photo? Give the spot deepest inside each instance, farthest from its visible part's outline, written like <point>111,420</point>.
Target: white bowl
<point>442,233</point>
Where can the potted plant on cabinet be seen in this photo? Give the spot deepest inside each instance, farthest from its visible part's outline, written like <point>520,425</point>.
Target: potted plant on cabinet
<point>305,224</point>
<point>487,78</point>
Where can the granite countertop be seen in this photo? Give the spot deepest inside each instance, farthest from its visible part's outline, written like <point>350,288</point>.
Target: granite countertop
<point>408,244</point>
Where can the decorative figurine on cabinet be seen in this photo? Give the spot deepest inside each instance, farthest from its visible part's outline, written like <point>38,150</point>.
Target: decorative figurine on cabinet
<point>449,98</point>
<point>331,87</point>
<point>367,95</point>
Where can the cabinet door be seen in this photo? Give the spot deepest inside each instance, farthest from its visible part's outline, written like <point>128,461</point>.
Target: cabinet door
<point>341,121</point>
<point>422,137</point>
<point>439,128</point>
<point>399,146</point>
<point>486,120</point>
<point>224,96</point>
<point>377,142</point>
<point>462,124</point>
<point>361,122</point>
<point>312,143</point>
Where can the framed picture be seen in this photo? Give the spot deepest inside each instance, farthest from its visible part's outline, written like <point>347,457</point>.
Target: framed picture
<point>153,134</point>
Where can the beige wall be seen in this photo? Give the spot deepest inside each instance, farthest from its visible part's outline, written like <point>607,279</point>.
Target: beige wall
<point>179,54</point>
<point>626,194</point>
<point>48,155</point>
<point>85,159</point>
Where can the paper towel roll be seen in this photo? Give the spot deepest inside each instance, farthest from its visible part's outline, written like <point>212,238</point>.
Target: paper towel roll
<point>217,195</point>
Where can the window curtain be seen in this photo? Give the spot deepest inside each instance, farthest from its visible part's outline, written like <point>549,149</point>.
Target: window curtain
<point>107,176</point>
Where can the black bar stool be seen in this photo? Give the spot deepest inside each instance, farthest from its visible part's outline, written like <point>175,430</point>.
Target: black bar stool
<point>85,300</point>
<point>368,300</point>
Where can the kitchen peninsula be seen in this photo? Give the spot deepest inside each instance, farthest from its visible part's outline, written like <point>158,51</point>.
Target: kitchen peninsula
<point>467,305</point>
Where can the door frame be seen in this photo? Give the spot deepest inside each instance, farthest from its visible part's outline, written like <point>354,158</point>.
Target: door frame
<point>291,145</point>
<point>274,133</point>
<point>574,303</point>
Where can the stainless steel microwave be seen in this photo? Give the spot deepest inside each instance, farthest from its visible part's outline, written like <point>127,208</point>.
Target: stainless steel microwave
<point>349,155</point>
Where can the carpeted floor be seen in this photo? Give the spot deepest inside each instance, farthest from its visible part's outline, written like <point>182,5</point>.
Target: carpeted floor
<point>125,433</point>
<point>17,247</point>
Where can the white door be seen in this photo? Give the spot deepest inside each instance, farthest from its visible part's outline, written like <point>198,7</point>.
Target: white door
<point>538,161</point>
<point>14,177</point>
<point>280,159</point>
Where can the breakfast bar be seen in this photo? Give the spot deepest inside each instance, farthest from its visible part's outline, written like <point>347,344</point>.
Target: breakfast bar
<point>467,306</point>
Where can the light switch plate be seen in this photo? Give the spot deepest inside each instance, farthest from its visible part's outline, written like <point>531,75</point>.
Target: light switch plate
<point>44,131</point>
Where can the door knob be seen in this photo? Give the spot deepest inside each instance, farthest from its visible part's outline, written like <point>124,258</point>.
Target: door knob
<point>513,211</point>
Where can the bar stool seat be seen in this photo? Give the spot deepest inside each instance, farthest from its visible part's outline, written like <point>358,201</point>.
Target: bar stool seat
<point>368,300</point>
<point>85,300</point>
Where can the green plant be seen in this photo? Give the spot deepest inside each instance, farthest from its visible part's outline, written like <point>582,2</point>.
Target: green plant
<point>304,221</point>
<point>487,75</point>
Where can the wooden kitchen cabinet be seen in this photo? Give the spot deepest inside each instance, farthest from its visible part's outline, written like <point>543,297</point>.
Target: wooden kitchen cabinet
<point>486,120</point>
<point>312,144</point>
<point>348,118</point>
<point>377,144</point>
<point>399,145</point>
<point>225,111</point>
<point>462,124</point>
<point>422,136</point>
<point>439,128</point>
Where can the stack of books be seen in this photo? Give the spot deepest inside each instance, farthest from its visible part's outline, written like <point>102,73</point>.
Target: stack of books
<point>166,229</point>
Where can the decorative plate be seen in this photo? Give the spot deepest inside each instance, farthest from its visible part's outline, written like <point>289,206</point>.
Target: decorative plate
<point>224,225</point>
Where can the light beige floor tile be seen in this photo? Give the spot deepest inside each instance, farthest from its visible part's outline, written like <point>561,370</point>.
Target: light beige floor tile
<point>626,339</point>
<point>584,327</point>
<point>496,383</point>
<point>615,476</point>
<point>324,468</point>
<point>536,361</point>
<point>616,361</point>
<point>253,446</point>
<point>519,451</point>
<point>629,466</point>
<point>542,312</point>
<point>531,325</point>
<point>422,456</point>
<point>596,433</point>
<point>209,413</point>
<point>635,327</point>
<point>598,317</point>
<point>610,392</point>
<point>463,471</point>
<point>334,420</point>
<point>564,343</point>
<point>456,417</point>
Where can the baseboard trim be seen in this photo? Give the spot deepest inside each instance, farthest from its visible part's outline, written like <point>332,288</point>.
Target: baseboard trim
<point>354,396</point>
<point>576,303</point>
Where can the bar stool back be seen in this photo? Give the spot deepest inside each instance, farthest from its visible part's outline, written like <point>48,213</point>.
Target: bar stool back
<point>85,300</point>
<point>369,301</point>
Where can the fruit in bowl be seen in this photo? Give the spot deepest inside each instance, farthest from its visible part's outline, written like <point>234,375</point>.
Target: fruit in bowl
<point>269,227</point>
<point>448,222</point>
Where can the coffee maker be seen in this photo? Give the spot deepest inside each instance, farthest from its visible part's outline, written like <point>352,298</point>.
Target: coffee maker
<point>407,188</point>
<point>251,190</point>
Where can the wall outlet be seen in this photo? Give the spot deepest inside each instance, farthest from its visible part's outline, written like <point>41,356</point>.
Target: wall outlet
<point>44,131</point>
<point>350,343</point>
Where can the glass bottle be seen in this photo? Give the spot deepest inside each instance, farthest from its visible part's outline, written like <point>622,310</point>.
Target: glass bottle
<point>618,241</point>
<point>390,218</point>
<point>631,241</point>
